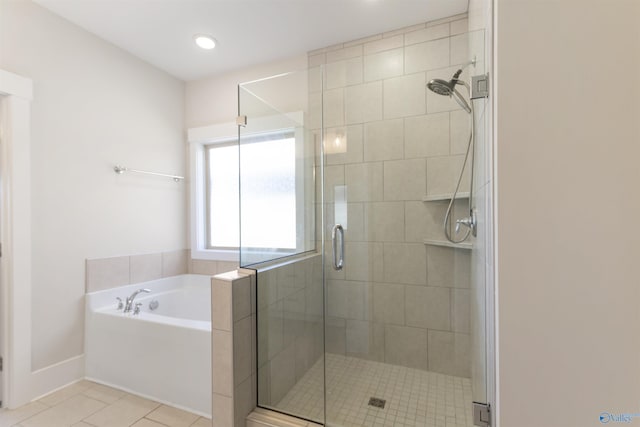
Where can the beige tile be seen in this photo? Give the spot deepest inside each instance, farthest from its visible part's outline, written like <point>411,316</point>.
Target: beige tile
<point>459,49</point>
<point>103,393</point>
<point>363,261</point>
<point>387,43</point>
<point>241,297</point>
<point>147,423</point>
<point>430,55</point>
<point>243,401</point>
<point>202,422</point>
<point>343,73</point>
<point>335,335</point>
<point>461,310</point>
<point>315,110</point>
<point>271,334</point>
<point>460,131</point>
<point>405,263</point>
<point>404,30</point>
<point>106,273</point>
<point>428,307</point>
<point>222,410</point>
<point>293,311</point>
<point>384,65</point>
<point>222,362</point>
<point>80,424</point>
<point>267,288</point>
<point>388,303</point>
<point>344,53</point>
<point>355,225</point>
<point>384,221</point>
<point>427,34</point>
<point>66,413</point>
<point>365,339</point>
<point>65,393</point>
<point>10,417</point>
<point>406,346</point>
<point>384,140</point>
<point>174,263</point>
<point>423,220</point>
<point>282,375</point>
<point>201,266</point>
<point>443,174</point>
<point>353,154</point>
<point>123,412</point>
<point>448,267</point>
<point>363,40</point>
<point>172,417</point>
<point>363,103</point>
<point>226,266</point>
<point>405,96</point>
<point>143,268</point>
<point>427,135</point>
<point>221,304</point>
<point>315,60</point>
<point>460,26</point>
<point>347,299</point>
<point>405,179</point>
<point>333,176</point>
<point>242,350</point>
<point>333,111</point>
<point>364,182</point>
<point>449,353</point>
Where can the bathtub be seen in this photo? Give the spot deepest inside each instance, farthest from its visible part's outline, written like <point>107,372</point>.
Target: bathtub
<point>162,354</point>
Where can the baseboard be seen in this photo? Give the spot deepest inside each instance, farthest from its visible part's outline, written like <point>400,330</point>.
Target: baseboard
<point>54,377</point>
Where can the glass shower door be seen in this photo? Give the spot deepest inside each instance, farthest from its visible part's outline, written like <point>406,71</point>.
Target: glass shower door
<point>278,220</point>
<point>399,329</point>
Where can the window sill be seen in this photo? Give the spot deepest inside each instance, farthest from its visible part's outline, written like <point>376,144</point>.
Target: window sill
<point>215,255</point>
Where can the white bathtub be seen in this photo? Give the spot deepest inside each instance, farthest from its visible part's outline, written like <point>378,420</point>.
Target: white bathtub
<point>164,354</point>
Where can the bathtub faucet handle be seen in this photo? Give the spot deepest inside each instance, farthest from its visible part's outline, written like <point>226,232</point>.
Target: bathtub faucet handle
<point>120,304</point>
<point>129,305</point>
<point>136,310</point>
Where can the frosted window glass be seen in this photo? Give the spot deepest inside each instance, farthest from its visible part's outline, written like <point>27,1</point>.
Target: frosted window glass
<point>268,195</point>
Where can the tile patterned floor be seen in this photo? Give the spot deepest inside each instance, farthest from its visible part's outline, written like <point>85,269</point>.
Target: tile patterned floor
<point>413,397</point>
<point>87,404</point>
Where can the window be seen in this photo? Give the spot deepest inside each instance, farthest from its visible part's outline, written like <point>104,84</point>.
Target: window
<point>277,182</point>
<point>268,164</point>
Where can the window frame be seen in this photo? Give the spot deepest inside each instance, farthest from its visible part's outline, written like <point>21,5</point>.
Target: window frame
<point>225,133</point>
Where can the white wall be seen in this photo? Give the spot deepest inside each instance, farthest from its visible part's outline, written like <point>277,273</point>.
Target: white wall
<point>568,145</point>
<point>94,106</point>
<point>215,99</point>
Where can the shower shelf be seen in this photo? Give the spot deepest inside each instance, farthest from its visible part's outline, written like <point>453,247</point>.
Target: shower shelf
<point>448,196</point>
<point>430,242</point>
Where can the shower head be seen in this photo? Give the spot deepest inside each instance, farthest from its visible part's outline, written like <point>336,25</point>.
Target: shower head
<point>448,88</point>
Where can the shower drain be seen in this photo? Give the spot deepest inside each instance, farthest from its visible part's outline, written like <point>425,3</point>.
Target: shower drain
<point>377,402</point>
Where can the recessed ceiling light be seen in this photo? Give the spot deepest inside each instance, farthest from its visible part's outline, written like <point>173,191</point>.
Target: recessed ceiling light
<point>205,41</point>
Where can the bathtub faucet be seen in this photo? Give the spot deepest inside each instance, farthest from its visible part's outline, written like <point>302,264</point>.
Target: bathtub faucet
<point>129,305</point>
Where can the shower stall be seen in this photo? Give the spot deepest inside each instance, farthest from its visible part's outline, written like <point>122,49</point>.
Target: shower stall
<point>350,171</point>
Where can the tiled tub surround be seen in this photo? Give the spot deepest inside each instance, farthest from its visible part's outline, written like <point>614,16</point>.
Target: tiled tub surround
<point>233,361</point>
<point>106,273</point>
<point>163,354</point>
<point>397,300</point>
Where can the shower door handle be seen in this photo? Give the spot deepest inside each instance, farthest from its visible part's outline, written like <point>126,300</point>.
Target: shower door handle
<point>338,262</point>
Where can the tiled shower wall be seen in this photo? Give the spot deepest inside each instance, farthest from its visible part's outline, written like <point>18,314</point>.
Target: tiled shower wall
<point>397,300</point>
<point>290,336</point>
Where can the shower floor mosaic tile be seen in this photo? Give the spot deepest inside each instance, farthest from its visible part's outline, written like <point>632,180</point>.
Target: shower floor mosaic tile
<point>413,397</point>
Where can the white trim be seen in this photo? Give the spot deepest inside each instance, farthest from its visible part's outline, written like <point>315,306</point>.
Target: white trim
<point>15,229</point>
<point>221,133</point>
<point>59,375</point>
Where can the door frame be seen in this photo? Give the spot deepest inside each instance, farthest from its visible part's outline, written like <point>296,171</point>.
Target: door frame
<point>16,93</point>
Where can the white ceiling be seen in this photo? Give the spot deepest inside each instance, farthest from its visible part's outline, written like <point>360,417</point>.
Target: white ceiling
<point>248,31</point>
